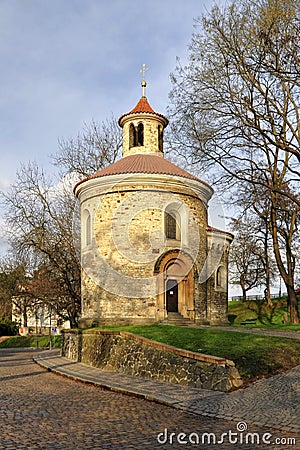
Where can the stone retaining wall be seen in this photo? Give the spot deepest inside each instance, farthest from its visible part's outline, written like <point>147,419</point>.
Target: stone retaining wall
<point>134,355</point>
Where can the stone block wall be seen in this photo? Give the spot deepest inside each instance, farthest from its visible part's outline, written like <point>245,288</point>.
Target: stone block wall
<point>151,135</point>
<point>127,231</point>
<point>133,355</point>
<point>72,344</point>
<point>123,240</point>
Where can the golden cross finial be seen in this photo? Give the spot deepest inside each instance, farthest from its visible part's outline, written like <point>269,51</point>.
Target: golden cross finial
<point>144,84</point>
<point>143,70</point>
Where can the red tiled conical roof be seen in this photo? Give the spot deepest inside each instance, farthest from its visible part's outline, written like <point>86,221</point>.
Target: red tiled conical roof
<point>142,163</point>
<point>143,106</point>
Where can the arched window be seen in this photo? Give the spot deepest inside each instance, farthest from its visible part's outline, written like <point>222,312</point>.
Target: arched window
<point>160,137</point>
<point>132,137</point>
<point>140,135</point>
<point>170,226</point>
<point>86,228</point>
<point>221,278</point>
<point>172,222</point>
<point>175,223</point>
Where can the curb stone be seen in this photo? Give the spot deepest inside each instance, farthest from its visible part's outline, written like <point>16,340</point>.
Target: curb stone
<point>260,404</point>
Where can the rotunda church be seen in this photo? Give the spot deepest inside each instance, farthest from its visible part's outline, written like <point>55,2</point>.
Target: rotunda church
<point>148,254</point>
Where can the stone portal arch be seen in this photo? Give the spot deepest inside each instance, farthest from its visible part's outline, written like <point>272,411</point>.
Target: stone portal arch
<point>175,278</point>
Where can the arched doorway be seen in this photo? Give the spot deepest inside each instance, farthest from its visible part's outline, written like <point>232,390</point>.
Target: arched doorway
<point>172,296</point>
<point>175,284</point>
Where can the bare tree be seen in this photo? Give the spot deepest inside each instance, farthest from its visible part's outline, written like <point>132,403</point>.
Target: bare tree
<point>246,259</point>
<point>11,277</point>
<point>15,287</point>
<point>96,147</point>
<point>236,109</point>
<point>40,216</point>
<point>254,204</point>
<point>43,216</point>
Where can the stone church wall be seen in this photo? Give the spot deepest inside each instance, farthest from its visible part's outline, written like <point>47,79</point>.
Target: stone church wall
<point>133,355</point>
<point>127,239</point>
<point>144,226</point>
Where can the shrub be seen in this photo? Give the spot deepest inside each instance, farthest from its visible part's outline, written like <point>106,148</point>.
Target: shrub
<point>8,327</point>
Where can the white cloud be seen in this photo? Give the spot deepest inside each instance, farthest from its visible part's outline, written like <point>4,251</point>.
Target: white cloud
<point>4,184</point>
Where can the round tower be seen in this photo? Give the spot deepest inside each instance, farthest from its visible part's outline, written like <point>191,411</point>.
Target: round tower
<point>145,242</point>
<point>143,129</point>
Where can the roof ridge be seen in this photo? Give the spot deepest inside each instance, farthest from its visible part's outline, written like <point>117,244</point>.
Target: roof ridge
<point>143,107</point>
<point>142,163</point>
<point>139,163</point>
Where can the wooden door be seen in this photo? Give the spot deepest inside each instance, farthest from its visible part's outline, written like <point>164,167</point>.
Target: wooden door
<point>172,296</point>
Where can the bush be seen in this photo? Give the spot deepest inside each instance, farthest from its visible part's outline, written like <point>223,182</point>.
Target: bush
<point>8,327</point>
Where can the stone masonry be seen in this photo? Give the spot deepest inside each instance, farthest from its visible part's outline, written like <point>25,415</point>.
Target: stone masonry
<point>133,355</point>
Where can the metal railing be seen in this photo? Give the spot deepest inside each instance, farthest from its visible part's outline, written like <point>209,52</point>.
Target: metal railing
<point>256,297</point>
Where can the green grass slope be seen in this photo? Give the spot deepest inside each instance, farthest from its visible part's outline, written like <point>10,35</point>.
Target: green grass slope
<point>272,317</point>
<point>254,355</point>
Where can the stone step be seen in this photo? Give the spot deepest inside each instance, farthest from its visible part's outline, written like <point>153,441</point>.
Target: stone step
<point>176,319</point>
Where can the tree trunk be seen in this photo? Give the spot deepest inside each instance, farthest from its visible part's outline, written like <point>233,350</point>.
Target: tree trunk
<point>25,319</point>
<point>73,318</point>
<point>293,305</point>
<point>268,287</point>
<point>243,287</point>
<point>267,269</point>
<point>286,274</point>
<point>244,295</point>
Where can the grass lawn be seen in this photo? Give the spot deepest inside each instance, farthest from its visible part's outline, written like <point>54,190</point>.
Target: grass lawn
<point>255,356</point>
<point>274,317</point>
<point>29,341</point>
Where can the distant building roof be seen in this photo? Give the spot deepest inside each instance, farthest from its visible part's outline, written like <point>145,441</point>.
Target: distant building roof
<point>217,230</point>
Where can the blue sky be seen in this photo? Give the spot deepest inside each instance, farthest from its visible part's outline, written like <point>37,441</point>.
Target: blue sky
<point>66,62</point>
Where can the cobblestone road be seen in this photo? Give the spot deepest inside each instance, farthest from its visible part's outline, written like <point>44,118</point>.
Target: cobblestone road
<point>40,410</point>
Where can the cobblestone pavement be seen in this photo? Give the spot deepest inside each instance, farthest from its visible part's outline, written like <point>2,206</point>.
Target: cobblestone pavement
<point>273,402</point>
<point>40,410</point>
